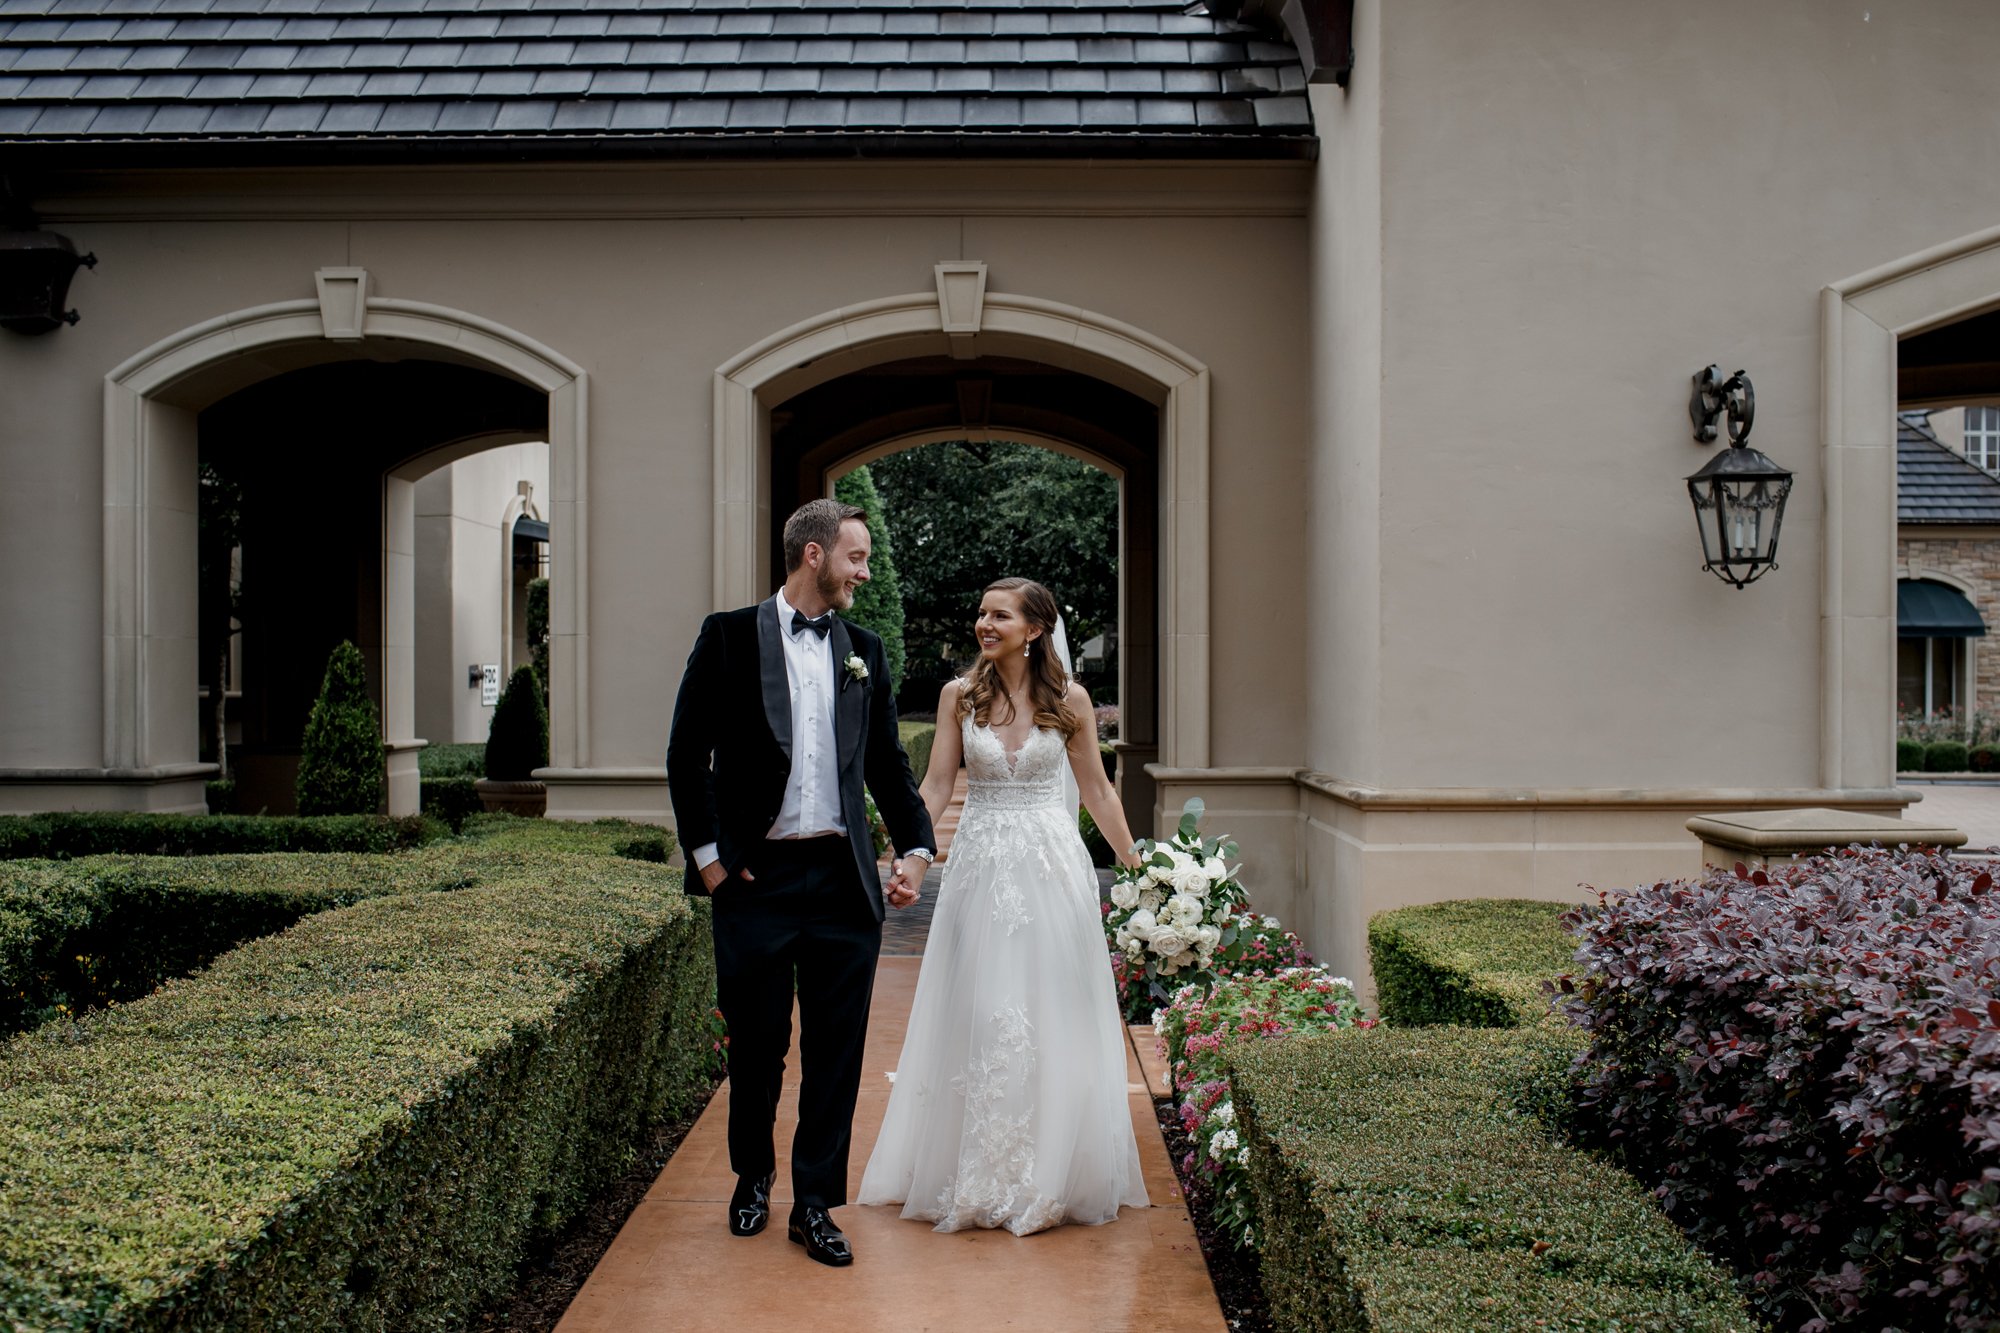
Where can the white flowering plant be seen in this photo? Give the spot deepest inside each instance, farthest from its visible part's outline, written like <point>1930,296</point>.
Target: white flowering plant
<point>1171,916</point>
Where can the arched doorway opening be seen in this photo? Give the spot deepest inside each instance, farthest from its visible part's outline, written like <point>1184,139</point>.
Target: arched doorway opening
<point>964,323</point>
<point>326,459</point>
<point>943,403</point>
<point>335,408</point>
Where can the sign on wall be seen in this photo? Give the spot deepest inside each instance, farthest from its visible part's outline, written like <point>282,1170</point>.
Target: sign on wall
<point>489,684</point>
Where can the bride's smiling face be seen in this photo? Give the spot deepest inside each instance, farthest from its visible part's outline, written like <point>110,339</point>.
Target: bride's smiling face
<point>1002,630</point>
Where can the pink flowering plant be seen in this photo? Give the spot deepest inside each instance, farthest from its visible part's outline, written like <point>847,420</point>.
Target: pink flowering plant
<point>1196,1029</point>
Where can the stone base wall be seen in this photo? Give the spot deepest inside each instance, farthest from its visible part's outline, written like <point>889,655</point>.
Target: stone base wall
<point>1974,562</point>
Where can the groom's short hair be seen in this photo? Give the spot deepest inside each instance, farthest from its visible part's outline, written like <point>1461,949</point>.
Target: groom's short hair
<point>815,521</point>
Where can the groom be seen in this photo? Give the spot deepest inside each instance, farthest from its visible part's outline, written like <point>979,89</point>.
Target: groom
<point>784,712</point>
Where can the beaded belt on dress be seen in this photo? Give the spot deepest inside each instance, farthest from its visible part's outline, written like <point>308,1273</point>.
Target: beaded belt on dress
<point>1014,795</point>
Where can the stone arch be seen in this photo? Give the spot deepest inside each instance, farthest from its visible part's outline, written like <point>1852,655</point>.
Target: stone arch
<point>150,403</point>
<point>966,321</point>
<point>1861,320</point>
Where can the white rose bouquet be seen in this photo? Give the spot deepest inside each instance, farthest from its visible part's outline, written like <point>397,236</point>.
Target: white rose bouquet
<point>1170,916</point>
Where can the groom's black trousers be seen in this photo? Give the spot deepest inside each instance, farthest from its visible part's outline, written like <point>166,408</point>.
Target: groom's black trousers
<point>804,916</point>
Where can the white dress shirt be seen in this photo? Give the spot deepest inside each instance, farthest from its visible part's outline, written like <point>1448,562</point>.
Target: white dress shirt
<point>811,807</point>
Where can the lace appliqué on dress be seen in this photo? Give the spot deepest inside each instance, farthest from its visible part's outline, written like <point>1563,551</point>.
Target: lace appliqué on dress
<point>994,1185</point>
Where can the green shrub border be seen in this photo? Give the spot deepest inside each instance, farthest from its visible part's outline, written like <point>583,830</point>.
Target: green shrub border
<point>917,738</point>
<point>360,1123</point>
<point>76,935</point>
<point>61,836</point>
<point>1473,962</point>
<point>1404,1184</point>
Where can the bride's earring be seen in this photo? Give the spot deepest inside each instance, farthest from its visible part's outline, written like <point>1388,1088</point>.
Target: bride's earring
<point>1027,649</point>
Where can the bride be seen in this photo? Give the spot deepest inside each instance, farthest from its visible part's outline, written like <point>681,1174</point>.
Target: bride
<point>1009,1107</point>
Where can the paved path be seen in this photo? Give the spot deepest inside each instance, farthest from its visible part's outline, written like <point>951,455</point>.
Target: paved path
<point>675,1267</point>
<point>1971,806</point>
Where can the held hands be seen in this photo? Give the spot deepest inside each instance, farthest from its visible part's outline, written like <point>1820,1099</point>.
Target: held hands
<point>906,881</point>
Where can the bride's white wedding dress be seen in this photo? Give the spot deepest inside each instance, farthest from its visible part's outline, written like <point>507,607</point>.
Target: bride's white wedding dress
<point>1009,1106</point>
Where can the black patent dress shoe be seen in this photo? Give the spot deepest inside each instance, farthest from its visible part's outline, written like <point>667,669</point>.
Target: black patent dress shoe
<point>814,1229</point>
<point>750,1206</point>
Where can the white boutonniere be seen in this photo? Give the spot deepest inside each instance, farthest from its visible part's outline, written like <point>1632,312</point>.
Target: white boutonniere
<point>856,668</point>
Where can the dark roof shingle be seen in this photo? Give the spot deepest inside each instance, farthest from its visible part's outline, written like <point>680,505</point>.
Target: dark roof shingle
<point>1935,484</point>
<point>954,71</point>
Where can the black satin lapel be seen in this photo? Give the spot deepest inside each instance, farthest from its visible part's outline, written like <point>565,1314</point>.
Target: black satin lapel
<point>777,684</point>
<point>849,695</point>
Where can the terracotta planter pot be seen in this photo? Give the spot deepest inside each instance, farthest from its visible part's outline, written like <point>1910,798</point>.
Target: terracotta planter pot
<point>528,799</point>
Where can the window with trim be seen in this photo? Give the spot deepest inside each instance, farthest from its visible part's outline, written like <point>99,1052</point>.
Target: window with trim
<point>1982,437</point>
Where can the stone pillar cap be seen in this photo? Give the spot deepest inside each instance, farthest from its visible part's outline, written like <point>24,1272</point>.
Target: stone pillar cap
<point>1785,831</point>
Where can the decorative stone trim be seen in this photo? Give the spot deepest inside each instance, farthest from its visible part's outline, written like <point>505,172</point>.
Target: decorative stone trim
<point>343,302</point>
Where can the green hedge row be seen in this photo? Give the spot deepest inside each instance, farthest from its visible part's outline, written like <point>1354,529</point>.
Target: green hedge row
<point>917,738</point>
<point>360,1123</point>
<point>1914,756</point>
<point>1405,1185</point>
<point>75,935</point>
<point>90,833</point>
<point>1475,962</point>
<point>599,837</point>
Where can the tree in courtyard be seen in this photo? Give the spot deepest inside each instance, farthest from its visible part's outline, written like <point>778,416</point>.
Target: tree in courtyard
<point>538,633</point>
<point>340,768</point>
<point>965,514</point>
<point>878,603</point>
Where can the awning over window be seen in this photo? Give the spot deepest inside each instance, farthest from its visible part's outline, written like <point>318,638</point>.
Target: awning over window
<point>537,531</point>
<point>1927,610</point>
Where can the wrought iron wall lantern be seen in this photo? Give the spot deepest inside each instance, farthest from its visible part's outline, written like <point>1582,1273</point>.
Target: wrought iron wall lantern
<point>1739,498</point>
<point>35,269</point>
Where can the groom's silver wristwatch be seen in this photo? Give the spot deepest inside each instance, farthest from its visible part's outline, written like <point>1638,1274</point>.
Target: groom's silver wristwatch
<point>924,852</point>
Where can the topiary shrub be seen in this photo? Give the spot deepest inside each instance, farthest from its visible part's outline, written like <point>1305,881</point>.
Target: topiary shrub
<point>1476,962</point>
<point>341,765</point>
<point>517,742</point>
<point>1805,1061</point>
<point>1984,758</point>
<point>1909,756</point>
<point>1945,757</point>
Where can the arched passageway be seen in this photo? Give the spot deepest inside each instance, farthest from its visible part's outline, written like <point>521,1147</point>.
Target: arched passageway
<point>761,400</point>
<point>871,413</point>
<point>389,390</point>
<point>322,456</point>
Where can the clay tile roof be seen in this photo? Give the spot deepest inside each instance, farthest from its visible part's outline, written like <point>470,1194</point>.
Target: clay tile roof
<point>732,77</point>
<point>1935,484</point>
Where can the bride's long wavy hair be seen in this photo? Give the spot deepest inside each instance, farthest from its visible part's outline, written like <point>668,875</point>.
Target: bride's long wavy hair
<point>1047,682</point>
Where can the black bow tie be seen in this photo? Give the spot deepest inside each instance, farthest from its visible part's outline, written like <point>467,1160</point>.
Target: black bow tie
<point>819,626</point>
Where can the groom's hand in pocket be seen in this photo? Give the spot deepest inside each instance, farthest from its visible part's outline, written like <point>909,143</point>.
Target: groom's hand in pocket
<point>714,873</point>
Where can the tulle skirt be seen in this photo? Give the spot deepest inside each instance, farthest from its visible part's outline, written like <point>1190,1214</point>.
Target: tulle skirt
<point>1010,1103</point>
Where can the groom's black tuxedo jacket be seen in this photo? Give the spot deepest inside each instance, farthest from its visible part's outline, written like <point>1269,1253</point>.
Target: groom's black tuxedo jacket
<point>730,750</point>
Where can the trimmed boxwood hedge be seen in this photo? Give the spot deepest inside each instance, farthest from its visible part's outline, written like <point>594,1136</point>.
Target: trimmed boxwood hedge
<point>917,738</point>
<point>1946,757</point>
<point>1473,962</point>
<point>1403,1186</point>
<point>360,1123</point>
<point>87,833</point>
<point>598,837</point>
<point>1909,756</point>
<point>75,935</point>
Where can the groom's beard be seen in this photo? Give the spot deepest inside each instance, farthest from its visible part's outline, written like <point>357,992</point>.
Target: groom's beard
<point>833,591</point>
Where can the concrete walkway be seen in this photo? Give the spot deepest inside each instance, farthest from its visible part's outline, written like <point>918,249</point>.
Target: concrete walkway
<point>675,1266</point>
<point>1971,806</point>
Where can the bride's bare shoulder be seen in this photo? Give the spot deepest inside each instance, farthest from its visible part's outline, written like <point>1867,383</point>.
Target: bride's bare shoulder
<point>948,698</point>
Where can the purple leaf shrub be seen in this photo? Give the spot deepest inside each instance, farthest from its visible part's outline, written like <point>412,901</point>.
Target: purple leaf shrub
<point>1805,1063</point>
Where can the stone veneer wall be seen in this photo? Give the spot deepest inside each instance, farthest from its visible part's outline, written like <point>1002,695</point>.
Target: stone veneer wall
<point>1975,562</point>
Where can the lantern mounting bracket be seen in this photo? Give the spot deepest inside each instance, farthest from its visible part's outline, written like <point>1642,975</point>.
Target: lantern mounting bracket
<point>1713,396</point>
